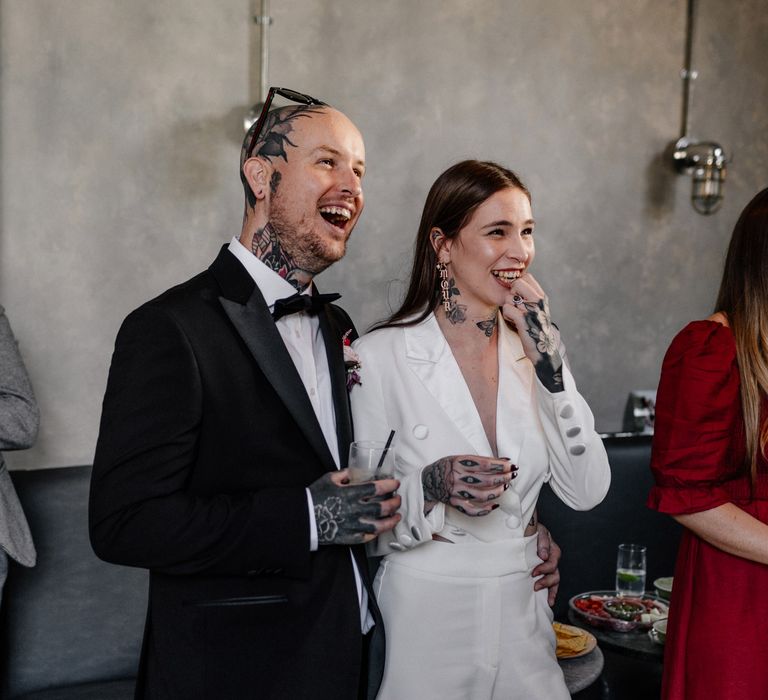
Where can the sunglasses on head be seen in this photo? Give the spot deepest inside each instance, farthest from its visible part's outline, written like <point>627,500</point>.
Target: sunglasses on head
<point>288,94</point>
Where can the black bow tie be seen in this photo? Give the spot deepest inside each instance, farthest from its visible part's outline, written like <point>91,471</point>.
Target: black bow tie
<point>302,302</point>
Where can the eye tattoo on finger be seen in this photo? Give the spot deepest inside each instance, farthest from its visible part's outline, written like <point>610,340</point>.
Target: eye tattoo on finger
<point>468,463</point>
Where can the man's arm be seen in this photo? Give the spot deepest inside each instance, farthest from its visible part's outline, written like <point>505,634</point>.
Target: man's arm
<point>142,512</point>
<point>550,552</point>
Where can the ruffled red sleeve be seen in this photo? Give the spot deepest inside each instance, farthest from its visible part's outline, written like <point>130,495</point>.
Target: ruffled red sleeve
<point>698,433</point>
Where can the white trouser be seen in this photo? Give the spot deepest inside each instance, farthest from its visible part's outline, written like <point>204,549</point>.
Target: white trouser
<point>463,623</point>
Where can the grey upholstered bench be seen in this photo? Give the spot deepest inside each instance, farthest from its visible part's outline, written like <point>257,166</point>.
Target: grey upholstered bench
<point>71,627</point>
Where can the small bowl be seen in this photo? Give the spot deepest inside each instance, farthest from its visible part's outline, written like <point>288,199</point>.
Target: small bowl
<point>589,607</point>
<point>663,587</point>
<point>622,609</point>
<point>660,628</point>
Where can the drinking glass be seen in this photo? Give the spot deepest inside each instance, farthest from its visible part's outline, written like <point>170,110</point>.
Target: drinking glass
<point>370,460</point>
<point>630,570</point>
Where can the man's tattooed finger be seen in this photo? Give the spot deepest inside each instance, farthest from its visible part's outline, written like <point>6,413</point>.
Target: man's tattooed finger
<point>461,509</point>
<point>497,468</point>
<point>470,480</point>
<point>468,463</point>
<point>465,494</point>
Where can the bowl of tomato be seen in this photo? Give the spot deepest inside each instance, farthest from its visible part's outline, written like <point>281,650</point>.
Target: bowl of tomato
<point>617,613</point>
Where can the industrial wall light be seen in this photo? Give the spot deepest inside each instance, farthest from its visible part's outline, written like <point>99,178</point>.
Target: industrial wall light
<point>704,161</point>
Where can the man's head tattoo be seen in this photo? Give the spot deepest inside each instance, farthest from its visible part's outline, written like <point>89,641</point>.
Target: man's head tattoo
<point>272,140</point>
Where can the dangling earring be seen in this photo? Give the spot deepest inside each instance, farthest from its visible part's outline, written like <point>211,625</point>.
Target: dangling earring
<point>442,272</point>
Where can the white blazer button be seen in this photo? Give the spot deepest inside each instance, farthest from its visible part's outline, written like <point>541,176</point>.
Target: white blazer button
<point>405,540</point>
<point>513,522</point>
<point>416,533</point>
<point>420,431</point>
<point>579,449</point>
<point>573,432</point>
<point>566,411</point>
<point>396,546</point>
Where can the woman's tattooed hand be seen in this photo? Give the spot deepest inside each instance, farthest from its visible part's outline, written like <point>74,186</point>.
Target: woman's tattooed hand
<point>467,482</point>
<point>528,308</point>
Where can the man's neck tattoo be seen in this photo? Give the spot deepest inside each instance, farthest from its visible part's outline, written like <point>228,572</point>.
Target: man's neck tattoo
<point>266,247</point>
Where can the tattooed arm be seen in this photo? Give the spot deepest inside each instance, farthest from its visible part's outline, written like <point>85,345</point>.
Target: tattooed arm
<point>467,482</point>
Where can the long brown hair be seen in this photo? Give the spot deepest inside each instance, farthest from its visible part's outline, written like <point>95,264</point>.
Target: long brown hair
<point>451,201</point>
<point>743,298</point>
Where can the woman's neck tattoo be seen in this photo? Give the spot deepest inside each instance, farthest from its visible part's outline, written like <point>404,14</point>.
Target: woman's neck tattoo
<point>266,247</point>
<point>487,326</point>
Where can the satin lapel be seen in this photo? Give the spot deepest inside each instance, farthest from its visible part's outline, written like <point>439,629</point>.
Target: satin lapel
<point>257,329</point>
<point>335,353</point>
<point>431,359</point>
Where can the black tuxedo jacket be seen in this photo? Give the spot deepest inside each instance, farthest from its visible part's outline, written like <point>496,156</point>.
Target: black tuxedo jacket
<point>207,442</point>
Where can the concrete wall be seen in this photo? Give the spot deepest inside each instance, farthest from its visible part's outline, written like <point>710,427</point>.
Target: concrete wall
<point>120,128</point>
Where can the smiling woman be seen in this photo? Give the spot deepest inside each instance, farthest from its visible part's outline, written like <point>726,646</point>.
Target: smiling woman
<point>469,372</point>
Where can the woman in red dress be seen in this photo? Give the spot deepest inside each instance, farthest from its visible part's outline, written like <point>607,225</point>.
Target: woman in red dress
<point>711,471</point>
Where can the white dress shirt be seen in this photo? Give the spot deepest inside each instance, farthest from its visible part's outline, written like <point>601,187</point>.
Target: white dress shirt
<point>304,341</point>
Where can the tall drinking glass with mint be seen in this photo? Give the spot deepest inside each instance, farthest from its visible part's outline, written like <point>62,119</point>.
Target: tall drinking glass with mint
<point>630,570</point>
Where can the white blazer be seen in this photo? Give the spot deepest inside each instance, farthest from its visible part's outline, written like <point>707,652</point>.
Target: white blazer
<point>412,383</point>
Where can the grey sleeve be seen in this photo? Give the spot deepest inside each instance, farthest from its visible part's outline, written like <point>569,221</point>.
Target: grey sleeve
<point>19,415</point>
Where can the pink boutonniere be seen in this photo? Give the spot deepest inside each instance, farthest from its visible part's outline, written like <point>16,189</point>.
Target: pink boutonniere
<point>351,362</point>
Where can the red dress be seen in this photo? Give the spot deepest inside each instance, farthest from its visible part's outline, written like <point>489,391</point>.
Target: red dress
<point>717,637</point>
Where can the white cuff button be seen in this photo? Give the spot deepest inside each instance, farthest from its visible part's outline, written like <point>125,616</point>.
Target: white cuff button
<point>566,411</point>
<point>579,449</point>
<point>420,432</point>
<point>513,522</point>
<point>573,432</point>
<point>405,540</point>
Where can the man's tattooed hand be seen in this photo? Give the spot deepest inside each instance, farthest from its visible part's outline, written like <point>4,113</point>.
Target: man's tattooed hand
<point>467,482</point>
<point>353,513</point>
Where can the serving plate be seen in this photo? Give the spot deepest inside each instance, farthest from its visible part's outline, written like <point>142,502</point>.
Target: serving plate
<point>576,632</point>
<point>589,607</point>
